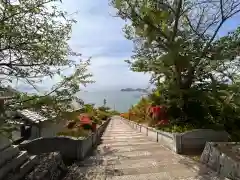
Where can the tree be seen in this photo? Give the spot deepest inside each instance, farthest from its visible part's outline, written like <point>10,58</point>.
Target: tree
<point>34,44</point>
<point>140,111</point>
<point>104,102</point>
<point>104,108</point>
<point>175,39</point>
<point>177,42</point>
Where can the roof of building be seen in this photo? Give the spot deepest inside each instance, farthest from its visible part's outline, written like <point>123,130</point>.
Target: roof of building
<point>31,116</point>
<point>14,122</point>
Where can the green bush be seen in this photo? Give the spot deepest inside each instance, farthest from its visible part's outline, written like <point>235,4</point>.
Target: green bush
<point>175,128</point>
<point>187,127</point>
<point>103,115</point>
<point>87,126</point>
<point>77,132</point>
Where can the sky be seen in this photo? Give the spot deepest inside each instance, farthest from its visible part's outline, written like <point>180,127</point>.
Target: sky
<point>98,34</point>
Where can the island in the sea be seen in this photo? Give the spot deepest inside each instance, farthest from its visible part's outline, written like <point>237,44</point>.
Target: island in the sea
<point>132,89</point>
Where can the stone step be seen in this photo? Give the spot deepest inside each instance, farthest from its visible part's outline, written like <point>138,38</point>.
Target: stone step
<point>117,144</point>
<point>123,138</point>
<point>154,147</point>
<point>85,173</point>
<point>8,153</point>
<point>126,154</point>
<point>150,167</point>
<point>150,161</point>
<point>126,138</point>
<point>24,168</point>
<point>119,131</point>
<point>13,164</point>
<point>103,172</point>
<point>129,154</point>
<point>122,135</point>
<point>159,176</point>
<point>104,141</point>
<point>112,130</point>
<point>128,159</point>
<point>50,165</point>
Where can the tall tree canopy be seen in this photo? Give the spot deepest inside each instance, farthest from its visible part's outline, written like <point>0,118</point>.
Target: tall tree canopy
<point>179,37</point>
<point>177,42</point>
<point>34,38</point>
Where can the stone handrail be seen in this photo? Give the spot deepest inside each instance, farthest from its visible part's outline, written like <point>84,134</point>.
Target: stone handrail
<point>183,143</point>
<point>69,147</point>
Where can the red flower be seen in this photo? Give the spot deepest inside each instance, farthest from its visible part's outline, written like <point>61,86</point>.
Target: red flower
<point>163,122</point>
<point>85,119</point>
<point>156,109</point>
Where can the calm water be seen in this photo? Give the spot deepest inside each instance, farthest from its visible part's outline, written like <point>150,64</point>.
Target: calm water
<point>119,100</point>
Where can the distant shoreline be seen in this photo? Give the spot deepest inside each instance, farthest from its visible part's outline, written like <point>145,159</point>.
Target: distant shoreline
<point>120,100</point>
<point>133,90</point>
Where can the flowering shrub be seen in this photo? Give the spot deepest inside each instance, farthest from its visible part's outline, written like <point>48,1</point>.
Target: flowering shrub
<point>75,132</point>
<point>158,115</point>
<point>163,122</point>
<point>86,126</point>
<point>124,115</point>
<point>85,121</point>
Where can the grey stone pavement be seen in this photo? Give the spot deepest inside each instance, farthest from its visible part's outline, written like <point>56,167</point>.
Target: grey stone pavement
<point>125,154</point>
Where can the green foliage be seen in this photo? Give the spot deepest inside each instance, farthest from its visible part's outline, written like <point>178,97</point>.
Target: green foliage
<point>176,128</point>
<point>103,108</point>
<point>103,115</point>
<point>87,126</point>
<point>139,112</point>
<point>104,102</point>
<point>98,114</point>
<point>195,71</point>
<point>113,113</point>
<point>74,133</point>
<point>34,47</point>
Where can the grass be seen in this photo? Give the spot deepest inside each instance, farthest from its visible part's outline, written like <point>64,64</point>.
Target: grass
<point>76,132</point>
<point>175,128</point>
<point>187,127</point>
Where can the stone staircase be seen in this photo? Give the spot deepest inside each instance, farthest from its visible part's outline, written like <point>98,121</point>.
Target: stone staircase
<point>125,154</point>
<point>19,165</point>
<point>15,164</point>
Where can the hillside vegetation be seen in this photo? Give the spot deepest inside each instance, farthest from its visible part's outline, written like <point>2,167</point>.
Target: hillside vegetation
<point>195,71</point>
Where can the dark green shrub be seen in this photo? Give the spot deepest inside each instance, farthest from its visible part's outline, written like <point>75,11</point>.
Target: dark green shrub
<point>86,126</point>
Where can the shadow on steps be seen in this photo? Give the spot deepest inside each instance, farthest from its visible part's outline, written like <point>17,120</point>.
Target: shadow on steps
<point>95,166</point>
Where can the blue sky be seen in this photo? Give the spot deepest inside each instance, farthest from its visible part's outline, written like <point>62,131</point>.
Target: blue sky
<point>99,35</point>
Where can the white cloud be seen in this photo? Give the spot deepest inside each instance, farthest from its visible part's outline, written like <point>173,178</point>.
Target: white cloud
<point>98,34</point>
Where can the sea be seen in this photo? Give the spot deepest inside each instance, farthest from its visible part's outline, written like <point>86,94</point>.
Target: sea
<point>117,100</point>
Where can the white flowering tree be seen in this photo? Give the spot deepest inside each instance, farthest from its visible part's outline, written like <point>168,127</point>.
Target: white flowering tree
<point>34,38</point>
